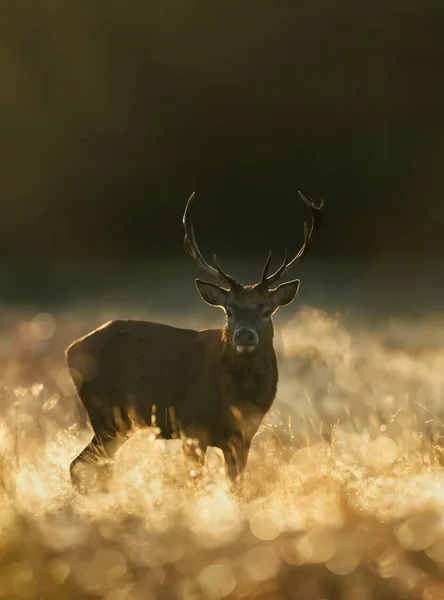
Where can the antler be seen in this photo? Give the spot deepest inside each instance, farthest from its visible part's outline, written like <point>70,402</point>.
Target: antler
<point>309,236</point>
<point>191,248</point>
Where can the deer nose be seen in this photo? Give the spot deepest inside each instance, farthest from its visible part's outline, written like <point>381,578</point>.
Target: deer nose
<point>245,337</point>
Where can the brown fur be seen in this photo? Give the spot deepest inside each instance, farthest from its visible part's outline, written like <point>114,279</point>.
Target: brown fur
<point>188,383</point>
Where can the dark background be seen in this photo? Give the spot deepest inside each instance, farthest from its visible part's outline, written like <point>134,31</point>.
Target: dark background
<point>112,113</point>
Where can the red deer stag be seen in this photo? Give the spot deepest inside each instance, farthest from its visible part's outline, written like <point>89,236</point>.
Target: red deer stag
<point>212,386</point>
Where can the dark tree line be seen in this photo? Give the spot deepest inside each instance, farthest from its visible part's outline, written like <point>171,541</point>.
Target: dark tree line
<point>112,113</point>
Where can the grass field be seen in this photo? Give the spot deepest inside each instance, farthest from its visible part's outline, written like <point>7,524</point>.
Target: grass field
<point>344,488</point>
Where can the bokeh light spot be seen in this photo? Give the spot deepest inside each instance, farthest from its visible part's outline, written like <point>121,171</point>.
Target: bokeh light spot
<point>216,581</point>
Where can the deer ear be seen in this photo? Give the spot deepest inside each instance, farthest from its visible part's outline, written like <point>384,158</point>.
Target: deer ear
<point>211,293</point>
<point>285,293</point>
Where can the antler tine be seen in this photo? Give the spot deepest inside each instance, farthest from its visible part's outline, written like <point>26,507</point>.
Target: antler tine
<point>266,267</point>
<point>309,236</point>
<point>233,283</point>
<point>275,276</point>
<point>192,249</point>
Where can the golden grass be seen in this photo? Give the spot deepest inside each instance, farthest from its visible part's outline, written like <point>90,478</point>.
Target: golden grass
<point>344,489</point>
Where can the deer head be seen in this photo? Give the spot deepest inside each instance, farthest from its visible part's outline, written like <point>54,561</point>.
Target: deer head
<point>249,308</point>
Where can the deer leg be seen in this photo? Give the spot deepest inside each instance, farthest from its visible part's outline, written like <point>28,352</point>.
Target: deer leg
<point>236,455</point>
<point>99,453</point>
<point>195,454</point>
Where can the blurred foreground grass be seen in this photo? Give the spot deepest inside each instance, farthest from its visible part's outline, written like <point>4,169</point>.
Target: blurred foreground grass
<point>344,488</point>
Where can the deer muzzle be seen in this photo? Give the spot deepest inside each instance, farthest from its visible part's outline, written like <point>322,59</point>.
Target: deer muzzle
<point>245,340</point>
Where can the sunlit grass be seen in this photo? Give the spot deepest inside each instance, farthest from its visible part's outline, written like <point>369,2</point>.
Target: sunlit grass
<point>343,494</point>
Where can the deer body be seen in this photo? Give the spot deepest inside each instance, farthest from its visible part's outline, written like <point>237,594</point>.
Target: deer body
<point>183,381</point>
<point>210,387</point>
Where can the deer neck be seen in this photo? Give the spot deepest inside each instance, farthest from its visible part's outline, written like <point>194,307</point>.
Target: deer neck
<point>251,376</point>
